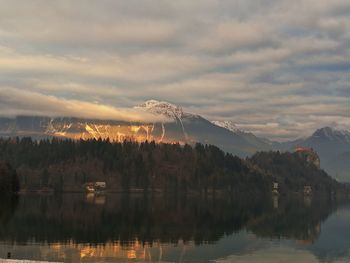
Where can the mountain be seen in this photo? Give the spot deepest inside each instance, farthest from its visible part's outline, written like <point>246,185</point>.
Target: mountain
<point>68,127</point>
<point>260,143</point>
<point>182,127</point>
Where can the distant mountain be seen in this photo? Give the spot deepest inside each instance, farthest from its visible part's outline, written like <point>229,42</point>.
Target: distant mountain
<point>327,142</point>
<point>182,127</point>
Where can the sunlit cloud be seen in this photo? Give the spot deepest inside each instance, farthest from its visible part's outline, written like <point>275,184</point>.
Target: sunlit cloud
<point>15,102</point>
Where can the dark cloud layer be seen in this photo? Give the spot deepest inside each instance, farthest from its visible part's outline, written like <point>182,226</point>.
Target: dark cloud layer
<point>277,68</point>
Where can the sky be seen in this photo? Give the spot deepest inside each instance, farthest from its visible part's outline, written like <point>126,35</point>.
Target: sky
<point>279,69</point>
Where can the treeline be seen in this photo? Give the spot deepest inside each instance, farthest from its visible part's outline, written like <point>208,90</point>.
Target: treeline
<point>9,182</point>
<point>66,165</point>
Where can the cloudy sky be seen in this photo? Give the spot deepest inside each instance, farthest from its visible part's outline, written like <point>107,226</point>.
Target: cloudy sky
<point>277,68</point>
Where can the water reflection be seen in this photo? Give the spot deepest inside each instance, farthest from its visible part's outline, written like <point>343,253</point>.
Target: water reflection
<point>8,205</point>
<point>108,228</point>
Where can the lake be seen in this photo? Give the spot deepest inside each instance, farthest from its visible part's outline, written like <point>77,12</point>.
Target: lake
<point>119,228</point>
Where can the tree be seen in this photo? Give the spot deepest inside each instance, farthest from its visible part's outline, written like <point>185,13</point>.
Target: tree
<point>9,182</point>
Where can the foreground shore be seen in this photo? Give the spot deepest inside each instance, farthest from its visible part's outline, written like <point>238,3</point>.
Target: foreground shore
<point>23,261</point>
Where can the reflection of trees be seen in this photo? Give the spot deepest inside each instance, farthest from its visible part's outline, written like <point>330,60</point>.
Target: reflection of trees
<point>8,205</point>
<point>126,218</point>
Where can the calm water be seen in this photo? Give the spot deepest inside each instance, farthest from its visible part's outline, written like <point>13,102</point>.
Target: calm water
<point>118,228</point>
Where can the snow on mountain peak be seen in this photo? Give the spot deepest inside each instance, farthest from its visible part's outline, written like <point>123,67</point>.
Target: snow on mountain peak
<point>163,108</point>
<point>229,125</point>
<point>333,134</point>
<point>149,104</point>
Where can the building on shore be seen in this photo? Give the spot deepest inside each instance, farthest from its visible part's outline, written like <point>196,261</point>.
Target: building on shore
<point>309,155</point>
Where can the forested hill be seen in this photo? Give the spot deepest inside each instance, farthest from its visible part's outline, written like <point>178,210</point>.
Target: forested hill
<point>292,172</point>
<point>66,165</point>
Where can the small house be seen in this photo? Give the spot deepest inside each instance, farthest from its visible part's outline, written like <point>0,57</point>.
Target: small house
<point>100,185</point>
<point>90,187</point>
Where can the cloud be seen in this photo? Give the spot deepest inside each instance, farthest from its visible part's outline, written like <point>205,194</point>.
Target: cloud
<point>31,103</point>
<point>142,32</point>
<point>230,35</point>
<point>277,68</point>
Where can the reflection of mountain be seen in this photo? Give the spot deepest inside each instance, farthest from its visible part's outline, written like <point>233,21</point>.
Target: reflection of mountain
<point>334,242</point>
<point>126,218</point>
<point>339,166</point>
<point>297,219</point>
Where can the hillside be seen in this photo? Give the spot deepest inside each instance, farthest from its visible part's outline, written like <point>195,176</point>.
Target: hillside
<point>293,172</point>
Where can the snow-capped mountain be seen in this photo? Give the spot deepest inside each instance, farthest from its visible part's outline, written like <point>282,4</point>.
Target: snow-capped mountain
<point>198,129</point>
<point>182,127</point>
<point>164,108</point>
